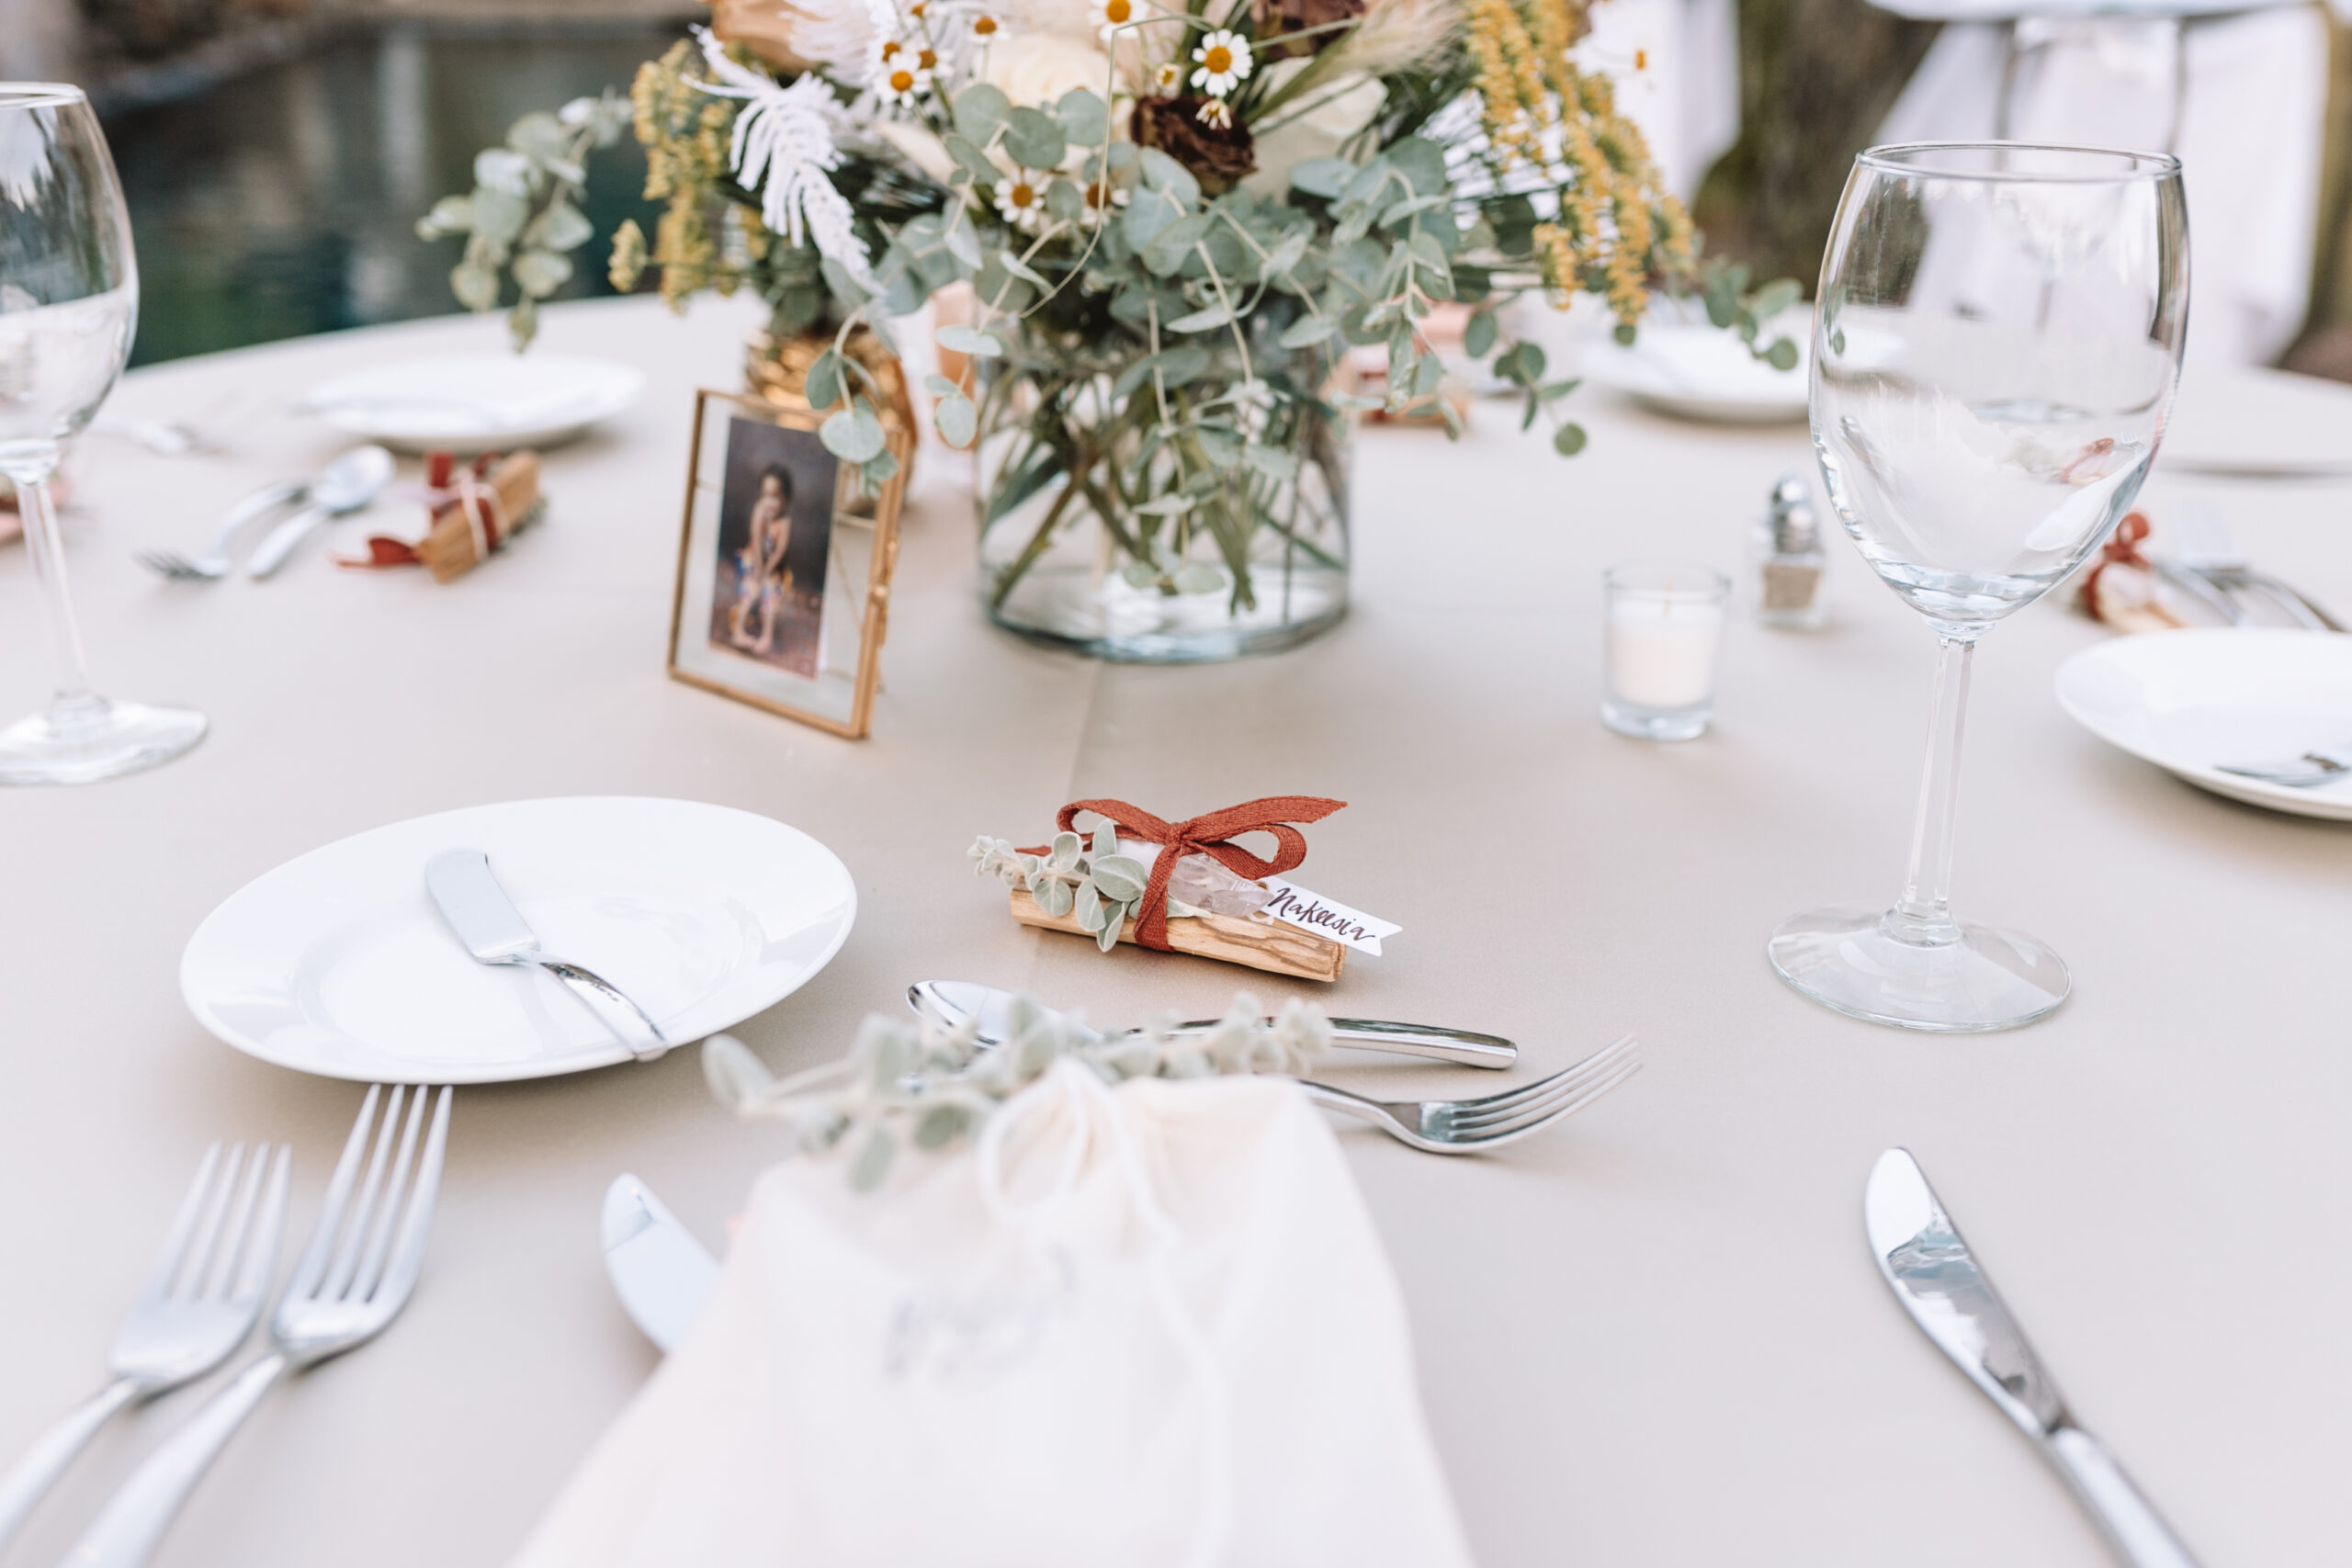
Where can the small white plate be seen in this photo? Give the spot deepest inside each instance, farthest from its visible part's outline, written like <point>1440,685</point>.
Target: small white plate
<point>1690,370</point>
<point>2188,700</point>
<point>337,961</point>
<point>473,402</point>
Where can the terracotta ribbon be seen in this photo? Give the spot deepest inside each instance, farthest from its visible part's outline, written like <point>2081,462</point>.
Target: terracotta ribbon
<point>1210,835</point>
<point>2122,549</point>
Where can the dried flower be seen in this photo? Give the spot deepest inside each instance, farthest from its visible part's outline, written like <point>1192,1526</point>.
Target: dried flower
<point>1224,60</point>
<point>1217,114</point>
<point>1218,156</point>
<point>1168,78</point>
<point>1274,17</point>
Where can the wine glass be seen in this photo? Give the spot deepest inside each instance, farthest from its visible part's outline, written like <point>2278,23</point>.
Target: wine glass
<point>1994,352</point>
<point>69,298</point>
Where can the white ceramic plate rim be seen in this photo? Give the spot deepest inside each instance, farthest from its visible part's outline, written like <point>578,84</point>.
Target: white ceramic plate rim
<point>608,387</point>
<point>584,1059</point>
<point>2120,651</point>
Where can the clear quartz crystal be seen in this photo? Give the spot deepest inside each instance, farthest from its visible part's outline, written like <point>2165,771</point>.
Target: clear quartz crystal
<point>1204,883</point>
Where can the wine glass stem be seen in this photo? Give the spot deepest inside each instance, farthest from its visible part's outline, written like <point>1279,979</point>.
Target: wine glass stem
<point>71,664</point>
<point>1924,915</point>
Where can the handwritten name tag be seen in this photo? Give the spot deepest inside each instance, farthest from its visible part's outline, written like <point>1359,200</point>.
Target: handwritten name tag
<point>1294,905</point>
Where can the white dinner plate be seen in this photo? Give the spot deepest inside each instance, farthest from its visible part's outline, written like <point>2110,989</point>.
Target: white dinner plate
<point>1694,371</point>
<point>473,402</point>
<point>337,961</point>
<point>2188,700</point>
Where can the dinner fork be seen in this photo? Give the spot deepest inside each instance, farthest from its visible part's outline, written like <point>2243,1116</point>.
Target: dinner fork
<point>2321,765</point>
<point>355,1276</point>
<point>198,1305</point>
<point>213,562</point>
<point>1460,1126</point>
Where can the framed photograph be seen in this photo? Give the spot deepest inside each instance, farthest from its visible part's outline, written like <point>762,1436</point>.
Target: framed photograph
<point>784,568</point>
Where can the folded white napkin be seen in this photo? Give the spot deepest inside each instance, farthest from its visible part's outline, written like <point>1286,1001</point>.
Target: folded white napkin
<point>1149,1325</point>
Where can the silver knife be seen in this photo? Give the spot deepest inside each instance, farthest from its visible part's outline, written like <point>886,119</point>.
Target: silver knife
<point>494,931</point>
<point>1937,1279</point>
<point>662,1273</point>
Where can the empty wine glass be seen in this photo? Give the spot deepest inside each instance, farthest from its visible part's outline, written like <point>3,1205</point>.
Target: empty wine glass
<point>1995,351</point>
<point>69,298</point>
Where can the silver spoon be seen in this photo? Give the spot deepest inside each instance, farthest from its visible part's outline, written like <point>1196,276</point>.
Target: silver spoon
<point>950,1003</point>
<point>346,485</point>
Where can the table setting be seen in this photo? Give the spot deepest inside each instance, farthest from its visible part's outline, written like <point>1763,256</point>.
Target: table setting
<point>751,1168</point>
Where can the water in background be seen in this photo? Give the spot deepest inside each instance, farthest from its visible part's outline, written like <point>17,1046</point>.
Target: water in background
<point>283,202</point>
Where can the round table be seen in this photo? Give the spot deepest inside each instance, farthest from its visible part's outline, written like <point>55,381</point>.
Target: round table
<point>1654,1335</point>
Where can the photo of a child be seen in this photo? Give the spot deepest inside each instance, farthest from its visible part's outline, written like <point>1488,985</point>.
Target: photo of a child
<point>775,521</point>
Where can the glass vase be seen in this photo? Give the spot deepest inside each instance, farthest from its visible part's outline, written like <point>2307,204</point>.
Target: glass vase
<point>1173,509</point>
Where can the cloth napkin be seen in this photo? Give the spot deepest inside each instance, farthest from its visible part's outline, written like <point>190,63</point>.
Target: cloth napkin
<point>1149,1325</point>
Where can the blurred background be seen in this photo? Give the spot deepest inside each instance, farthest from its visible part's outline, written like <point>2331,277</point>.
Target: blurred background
<point>277,153</point>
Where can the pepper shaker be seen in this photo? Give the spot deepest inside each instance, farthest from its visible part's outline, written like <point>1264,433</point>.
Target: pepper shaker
<point>1792,597</point>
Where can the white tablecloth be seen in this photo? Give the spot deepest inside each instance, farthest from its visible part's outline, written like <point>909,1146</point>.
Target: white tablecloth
<point>1654,1337</point>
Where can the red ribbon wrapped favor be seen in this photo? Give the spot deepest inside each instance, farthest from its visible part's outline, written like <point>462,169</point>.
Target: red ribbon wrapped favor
<point>1212,835</point>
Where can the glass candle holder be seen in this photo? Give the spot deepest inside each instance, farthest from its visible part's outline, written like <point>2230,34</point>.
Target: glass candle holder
<point>1662,631</point>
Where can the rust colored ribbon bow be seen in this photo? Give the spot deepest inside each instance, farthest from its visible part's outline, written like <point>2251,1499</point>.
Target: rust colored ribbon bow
<point>1210,835</point>
<point>2122,549</point>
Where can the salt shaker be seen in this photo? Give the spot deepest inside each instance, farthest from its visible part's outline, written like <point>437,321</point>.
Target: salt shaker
<point>1792,563</point>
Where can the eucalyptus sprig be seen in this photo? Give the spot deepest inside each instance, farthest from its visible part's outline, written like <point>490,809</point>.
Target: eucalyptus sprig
<point>523,216</point>
<point>1723,285</point>
<point>1091,879</point>
<point>923,1085</point>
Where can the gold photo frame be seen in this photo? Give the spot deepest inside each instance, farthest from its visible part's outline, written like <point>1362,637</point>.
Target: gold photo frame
<point>783,590</point>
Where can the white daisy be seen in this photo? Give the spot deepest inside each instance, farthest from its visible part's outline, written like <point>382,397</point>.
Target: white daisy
<point>1168,80</point>
<point>1216,113</point>
<point>1109,16</point>
<point>900,82</point>
<point>986,28</point>
<point>1021,198</point>
<point>1224,60</point>
<point>1099,193</point>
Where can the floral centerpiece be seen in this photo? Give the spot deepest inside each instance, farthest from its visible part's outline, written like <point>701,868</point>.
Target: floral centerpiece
<point>1168,229</point>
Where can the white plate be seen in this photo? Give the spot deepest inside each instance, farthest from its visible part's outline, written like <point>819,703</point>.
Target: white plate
<point>1694,371</point>
<point>2188,700</point>
<point>337,961</point>
<point>472,402</point>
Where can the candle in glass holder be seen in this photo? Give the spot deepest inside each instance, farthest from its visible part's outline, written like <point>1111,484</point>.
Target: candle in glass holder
<point>1662,630</point>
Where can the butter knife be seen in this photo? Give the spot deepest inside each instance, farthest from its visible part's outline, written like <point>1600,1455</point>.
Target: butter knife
<point>663,1275</point>
<point>494,931</point>
<point>1938,1280</point>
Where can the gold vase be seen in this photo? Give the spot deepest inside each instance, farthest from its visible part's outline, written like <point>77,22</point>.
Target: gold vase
<point>777,371</point>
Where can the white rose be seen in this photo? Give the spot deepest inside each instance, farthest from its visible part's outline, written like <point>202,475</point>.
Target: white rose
<point>1036,69</point>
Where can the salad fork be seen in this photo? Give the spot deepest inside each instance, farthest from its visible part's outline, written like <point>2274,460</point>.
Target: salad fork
<point>1462,1127</point>
<point>355,1276</point>
<point>198,1305</point>
<point>213,563</point>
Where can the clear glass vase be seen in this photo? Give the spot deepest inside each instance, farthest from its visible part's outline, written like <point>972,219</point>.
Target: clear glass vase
<point>1170,511</point>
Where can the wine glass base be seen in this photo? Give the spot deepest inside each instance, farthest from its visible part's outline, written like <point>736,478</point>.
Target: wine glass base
<point>81,741</point>
<point>1863,963</point>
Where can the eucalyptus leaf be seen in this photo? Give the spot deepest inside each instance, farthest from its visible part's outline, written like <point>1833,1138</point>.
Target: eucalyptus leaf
<point>1063,856</point>
<point>1056,900</point>
<point>1139,574</point>
<point>1064,201</point>
<point>971,341</point>
<point>1200,578</point>
<point>1201,320</point>
<point>1120,876</point>
<point>854,434</point>
<point>1084,119</point>
<point>1034,139</point>
<point>1478,334</point>
<point>1115,921</point>
<point>823,386</point>
<point>956,420</point>
<point>981,112</point>
<point>498,215</point>
<point>846,290</point>
<point>971,159</point>
<point>1165,174</point>
<point>872,1162</point>
<point>1325,177</point>
<point>1088,907</point>
<point>1568,440</point>
<point>1106,840</point>
<point>562,227</point>
<point>540,273</point>
<point>939,1127</point>
<point>1272,461</point>
<point>1307,331</point>
<point>1783,355</point>
<point>1021,270</point>
<point>475,286</point>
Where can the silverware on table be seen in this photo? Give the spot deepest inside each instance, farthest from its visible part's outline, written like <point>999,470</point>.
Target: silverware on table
<point>1433,1126</point>
<point>355,1276</point>
<point>350,482</point>
<point>1938,1280</point>
<point>949,1003</point>
<point>662,1273</point>
<point>2209,554</point>
<point>213,562</point>
<point>198,1305</point>
<point>486,920</point>
<point>2321,765</point>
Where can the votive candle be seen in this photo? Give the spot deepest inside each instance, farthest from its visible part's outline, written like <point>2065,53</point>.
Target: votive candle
<point>1663,629</point>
